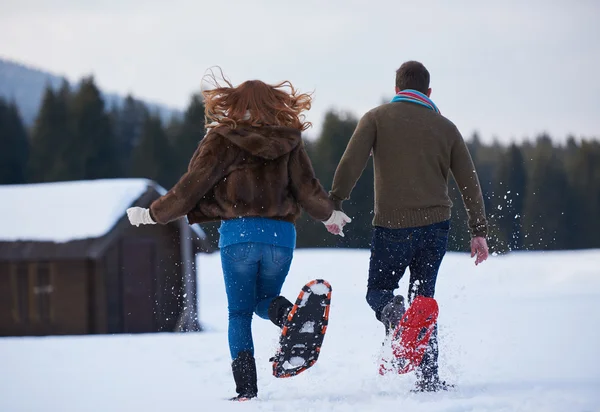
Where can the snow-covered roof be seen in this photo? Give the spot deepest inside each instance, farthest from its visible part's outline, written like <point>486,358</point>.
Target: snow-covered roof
<point>66,211</point>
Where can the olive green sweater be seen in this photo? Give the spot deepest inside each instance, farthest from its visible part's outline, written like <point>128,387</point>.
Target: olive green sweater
<point>414,151</point>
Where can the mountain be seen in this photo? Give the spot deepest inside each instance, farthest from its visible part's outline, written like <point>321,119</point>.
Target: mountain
<point>26,85</point>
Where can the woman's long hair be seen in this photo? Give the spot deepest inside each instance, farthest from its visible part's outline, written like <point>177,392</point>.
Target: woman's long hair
<point>254,103</point>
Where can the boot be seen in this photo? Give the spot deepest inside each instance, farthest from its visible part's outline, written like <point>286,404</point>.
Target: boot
<point>431,384</point>
<point>279,309</point>
<point>428,379</point>
<point>244,374</point>
<point>392,313</point>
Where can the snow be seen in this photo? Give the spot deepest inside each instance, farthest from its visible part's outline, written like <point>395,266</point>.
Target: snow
<point>320,289</point>
<point>293,363</point>
<point>308,327</point>
<point>66,211</point>
<point>517,333</point>
<point>305,297</point>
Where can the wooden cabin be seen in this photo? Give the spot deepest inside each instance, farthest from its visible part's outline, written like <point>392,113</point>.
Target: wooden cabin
<point>71,263</point>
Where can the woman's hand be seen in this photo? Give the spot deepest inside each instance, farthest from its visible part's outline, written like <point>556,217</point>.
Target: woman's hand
<point>139,216</point>
<point>336,222</point>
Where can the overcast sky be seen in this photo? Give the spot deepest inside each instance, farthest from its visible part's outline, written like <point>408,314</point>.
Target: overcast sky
<point>507,69</point>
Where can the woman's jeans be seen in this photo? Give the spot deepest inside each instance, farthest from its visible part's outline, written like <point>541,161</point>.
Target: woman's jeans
<point>254,274</point>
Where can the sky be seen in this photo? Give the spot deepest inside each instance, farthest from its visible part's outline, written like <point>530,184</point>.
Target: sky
<point>507,69</point>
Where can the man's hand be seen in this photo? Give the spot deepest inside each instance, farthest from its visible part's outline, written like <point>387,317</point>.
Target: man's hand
<point>336,222</point>
<point>479,247</point>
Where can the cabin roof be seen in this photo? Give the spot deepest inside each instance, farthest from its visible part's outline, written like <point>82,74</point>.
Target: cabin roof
<point>70,218</point>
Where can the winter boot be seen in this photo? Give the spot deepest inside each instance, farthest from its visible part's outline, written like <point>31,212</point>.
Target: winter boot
<point>244,374</point>
<point>279,309</point>
<point>392,313</point>
<point>428,379</point>
<point>431,384</point>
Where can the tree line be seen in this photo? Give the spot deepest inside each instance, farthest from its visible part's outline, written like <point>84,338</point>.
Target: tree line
<point>539,195</point>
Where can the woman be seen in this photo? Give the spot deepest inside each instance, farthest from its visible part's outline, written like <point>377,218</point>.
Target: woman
<point>251,171</point>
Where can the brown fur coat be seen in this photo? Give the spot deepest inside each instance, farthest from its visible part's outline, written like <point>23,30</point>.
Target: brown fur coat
<point>246,171</point>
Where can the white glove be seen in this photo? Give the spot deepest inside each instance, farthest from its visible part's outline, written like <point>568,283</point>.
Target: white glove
<point>139,216</point>
<point>336,222</point>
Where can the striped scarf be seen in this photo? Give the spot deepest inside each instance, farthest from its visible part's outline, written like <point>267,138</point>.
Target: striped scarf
<point>414,96</point>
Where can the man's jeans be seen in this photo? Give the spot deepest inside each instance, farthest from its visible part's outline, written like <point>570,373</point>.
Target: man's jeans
<point>254,274</point>
<point>421,249</point>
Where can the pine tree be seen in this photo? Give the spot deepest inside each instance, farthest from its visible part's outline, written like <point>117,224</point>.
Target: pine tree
<point>93,151</point>
<point>14,143</point>
<point>187,136</point>
<point>486,159</point>
<point>310,233</point>
<point>51,138</point>
<point>510,196</point>
<point>128,121</point>
<point>173,130</point>
<point>547,205</point>
<point>43,140</point>
<point>153,158</point>
<point>474,144</point>
<point>584,177</point>
<point>331,144</point>
<point>325,154</point>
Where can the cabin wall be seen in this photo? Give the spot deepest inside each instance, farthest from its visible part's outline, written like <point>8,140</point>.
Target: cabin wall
<point>90,285</point>
<point>109,267</point>
<point>71,297</point>
<point>157,277</point>
<point>7,307</point>
<point>135,285</point>
<point>97,299</point>
<point>43,298</point>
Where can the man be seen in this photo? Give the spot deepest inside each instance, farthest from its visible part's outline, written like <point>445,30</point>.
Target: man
<point>414,150</point>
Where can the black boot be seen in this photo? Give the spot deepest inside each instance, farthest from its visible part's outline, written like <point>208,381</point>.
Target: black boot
<point>392,313</point>
<point>431,384</point>
<point>279,309</point>
<point>428,379</point>
<point>244,374</point>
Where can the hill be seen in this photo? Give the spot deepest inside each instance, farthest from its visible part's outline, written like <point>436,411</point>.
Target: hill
<point>25,85</point>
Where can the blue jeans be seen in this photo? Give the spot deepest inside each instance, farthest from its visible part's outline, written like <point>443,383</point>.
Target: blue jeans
<point>392,251</point>
<point>254,274</point>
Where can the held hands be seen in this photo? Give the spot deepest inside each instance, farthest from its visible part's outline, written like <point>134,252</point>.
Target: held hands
<point>479,247</point>
<point>139,216</point>
<point>336,222</point>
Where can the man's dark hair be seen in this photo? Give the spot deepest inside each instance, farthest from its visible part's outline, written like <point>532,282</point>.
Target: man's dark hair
<point>412,75</point>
